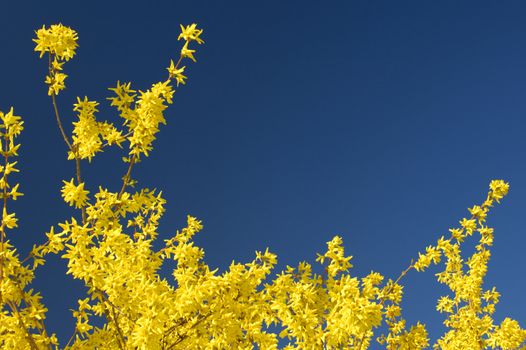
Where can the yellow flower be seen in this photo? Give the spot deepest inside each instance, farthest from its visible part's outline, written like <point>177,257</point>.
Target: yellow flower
<point>176,73</point>
<point>457,234</point>
<point>57,65</point>
<point>478,212</point>
<point>86,139</point>
<point>58,40</point>
<point>445,304</point>
<point>469,225</point>
<point>14,192</point>
<point>56,83</point>
<point>185,52</point>
<point>9,220</point>
<point>125,96</point>
<point>499,189</point>
<point>74,195</point>
<point>190,32</point>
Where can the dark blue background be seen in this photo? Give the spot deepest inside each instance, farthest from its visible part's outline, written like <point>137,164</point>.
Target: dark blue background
<point>380,121</point>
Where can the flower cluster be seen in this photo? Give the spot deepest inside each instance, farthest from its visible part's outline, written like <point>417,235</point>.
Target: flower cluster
<point>60,42</point>
<point>89,134</point>
<point>23,314</point>
<point>470,308</point>
<point>111,246</point>
<point>74,195</point>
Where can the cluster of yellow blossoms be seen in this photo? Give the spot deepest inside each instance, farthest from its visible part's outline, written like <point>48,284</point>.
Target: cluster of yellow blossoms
<point>110,247</point>
<point>60,42</point>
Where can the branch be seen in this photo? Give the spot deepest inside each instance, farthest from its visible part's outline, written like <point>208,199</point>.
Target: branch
<point>30,339</point>
<point>66,140</point>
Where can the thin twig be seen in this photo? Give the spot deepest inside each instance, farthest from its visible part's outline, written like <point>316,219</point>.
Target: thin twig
<point>71,148</point>
<point>72,336</point>
<point>2,228</point>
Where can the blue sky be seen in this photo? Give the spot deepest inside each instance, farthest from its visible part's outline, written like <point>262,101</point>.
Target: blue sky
<point>378,121</point>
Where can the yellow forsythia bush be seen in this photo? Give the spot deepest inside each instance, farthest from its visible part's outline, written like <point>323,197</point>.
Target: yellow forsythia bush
<point>108,246</point>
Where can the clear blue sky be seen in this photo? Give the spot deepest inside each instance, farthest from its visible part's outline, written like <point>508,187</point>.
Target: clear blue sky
<point>380,121</point>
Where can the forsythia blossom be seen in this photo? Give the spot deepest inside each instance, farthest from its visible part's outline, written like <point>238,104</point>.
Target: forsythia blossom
<point>190,32</point>
<point>56,83</point>
<point>9,220</point>
<point>58,40</point>
<point>111,246</point>
<point>88,134</point>
<point>498,189</point>
<point>186,52</point>
<point>74,195</point>
<point>176,73</point>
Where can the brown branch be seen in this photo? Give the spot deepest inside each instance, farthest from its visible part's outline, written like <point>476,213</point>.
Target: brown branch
<point>116,307</point>
<point>117,326</point>
<point>120,337</point>
<point>180,338</point>
<point>30,339</point>
<point>71,148</point>
<point>113,316</point>
<point>2,228</point>
<point>72,336</point>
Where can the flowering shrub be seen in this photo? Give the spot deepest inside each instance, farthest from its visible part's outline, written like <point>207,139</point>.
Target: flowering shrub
<point>109,246</point>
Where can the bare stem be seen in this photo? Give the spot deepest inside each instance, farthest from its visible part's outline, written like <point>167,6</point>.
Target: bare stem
<point>2,227</point>
<point>127,177</point>
<point>65,138</point>
<point>71,338</point>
